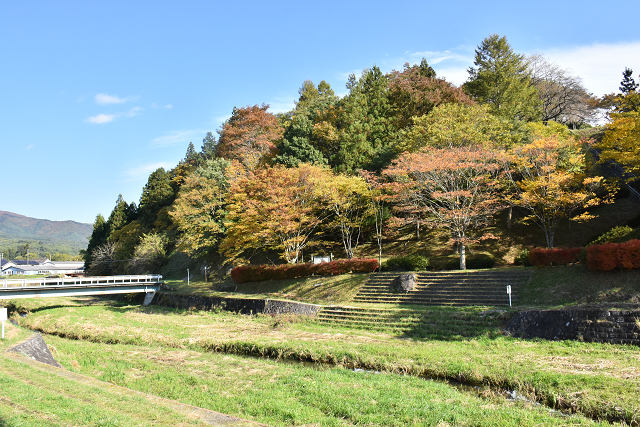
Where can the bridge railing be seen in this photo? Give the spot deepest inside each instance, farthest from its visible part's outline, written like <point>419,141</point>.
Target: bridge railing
<point>83,281</point>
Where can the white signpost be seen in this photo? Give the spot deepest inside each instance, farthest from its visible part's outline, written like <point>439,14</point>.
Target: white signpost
<point>509,293</point>
<point>3,317</point>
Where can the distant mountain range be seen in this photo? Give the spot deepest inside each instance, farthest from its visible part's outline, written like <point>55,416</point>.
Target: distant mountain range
<point>14,226</point>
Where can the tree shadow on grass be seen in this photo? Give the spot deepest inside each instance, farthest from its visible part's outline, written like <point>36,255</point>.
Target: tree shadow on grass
<point>451,324</point>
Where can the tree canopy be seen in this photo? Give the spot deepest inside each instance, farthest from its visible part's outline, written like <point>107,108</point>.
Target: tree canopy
<point>501,80</point>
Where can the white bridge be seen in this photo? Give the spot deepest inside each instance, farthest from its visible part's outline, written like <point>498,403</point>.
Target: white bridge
<point>79,286</point>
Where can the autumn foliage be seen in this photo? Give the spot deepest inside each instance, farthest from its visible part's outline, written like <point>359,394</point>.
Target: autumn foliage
<point>249,137</point>
<point>614,255</point>
<point>559,256</point>
<point>256,273</point>
<point>274,208</point>
<point>549,182</point>
<point>455,188</point>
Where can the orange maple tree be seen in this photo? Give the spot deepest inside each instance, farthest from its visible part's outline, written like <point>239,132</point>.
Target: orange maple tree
<point>455,188</point>
<point>250,136</point>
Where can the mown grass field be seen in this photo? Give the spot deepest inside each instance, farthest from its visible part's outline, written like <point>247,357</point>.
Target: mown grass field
<point>209,359</point>
<point>289,370</point>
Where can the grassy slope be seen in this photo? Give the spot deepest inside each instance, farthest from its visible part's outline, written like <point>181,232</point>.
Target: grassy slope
<point>551,287</point>
<point>169,353</point>
<point>35,394</point>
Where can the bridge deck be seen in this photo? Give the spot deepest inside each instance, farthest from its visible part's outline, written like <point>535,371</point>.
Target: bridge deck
<point>78,286</point>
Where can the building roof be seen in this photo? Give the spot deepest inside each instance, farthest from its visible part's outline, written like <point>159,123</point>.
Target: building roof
<point>47,267</point>
<point>30,262</point>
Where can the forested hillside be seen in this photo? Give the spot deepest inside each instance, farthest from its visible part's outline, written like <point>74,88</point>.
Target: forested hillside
<point>402,157</point>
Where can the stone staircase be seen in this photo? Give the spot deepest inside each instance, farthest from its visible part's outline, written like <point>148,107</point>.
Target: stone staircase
<point>447,288</point>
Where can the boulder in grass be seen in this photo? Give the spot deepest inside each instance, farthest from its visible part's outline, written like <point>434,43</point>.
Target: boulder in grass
<point>405,282</point>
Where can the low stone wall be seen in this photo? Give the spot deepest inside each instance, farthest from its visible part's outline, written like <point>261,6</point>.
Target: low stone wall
<point>240,305</point>
<point>609,326</point>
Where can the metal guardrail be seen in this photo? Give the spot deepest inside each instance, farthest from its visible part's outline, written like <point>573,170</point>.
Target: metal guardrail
<point>81,281</point>
<point>81,286</point>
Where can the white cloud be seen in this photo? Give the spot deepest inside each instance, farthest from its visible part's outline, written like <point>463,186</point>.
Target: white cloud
<point>599,65</point>
<point>30,146</point>
<point>450,64</point>
<point>134,111</point>
<point>106,118</point>
<point>143,171</point>
<point>101,118</point>
<point>178,137</point>
<point>460,54</point>
<point>168,106</point>
<point>103,98</point>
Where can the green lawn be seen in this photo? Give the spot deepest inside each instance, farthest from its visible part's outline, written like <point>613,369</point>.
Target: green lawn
<point>601,381</point>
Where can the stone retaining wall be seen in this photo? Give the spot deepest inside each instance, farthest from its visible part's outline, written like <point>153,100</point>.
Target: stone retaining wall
<point>610,326</point>
<point>241,305</point>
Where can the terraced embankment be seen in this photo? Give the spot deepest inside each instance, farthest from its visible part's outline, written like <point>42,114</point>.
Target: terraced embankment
<point>483,293</point>
<point>466,288</point>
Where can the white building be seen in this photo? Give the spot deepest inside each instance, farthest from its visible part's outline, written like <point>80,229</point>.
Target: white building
<point>48,267</point>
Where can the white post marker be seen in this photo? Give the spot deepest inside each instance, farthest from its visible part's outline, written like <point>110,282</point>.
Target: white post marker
<point>3,317</point>
<point>509,293</point>
<point>188,278</point>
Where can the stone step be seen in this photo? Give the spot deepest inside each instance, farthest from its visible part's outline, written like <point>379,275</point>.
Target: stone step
<point>417,294</point>
<point>392,319</point>
<point>486,288</point>
<point>429,291</point>
<point>444,302</point>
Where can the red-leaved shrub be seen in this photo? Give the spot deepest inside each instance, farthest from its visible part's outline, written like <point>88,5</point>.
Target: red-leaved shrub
<point>256,273</point>
<point>556,256</point>
<point>614,255</point>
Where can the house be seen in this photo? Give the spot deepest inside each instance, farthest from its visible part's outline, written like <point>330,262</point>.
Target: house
<point>13,267</point>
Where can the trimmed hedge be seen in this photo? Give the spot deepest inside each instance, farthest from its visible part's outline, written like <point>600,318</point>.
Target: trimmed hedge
<point>257,273</point>
<point>406,263</point>
<point>556,256</point>
<point>522,258</point>
<point>476,261</point>
<point>614,255</point>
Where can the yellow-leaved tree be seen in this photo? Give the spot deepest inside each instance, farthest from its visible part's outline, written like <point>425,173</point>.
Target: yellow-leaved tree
<point>549,181</point>
<point>200,208</point>
<point>273,208</point>
<point>621,142</point>
<point>348,199</point>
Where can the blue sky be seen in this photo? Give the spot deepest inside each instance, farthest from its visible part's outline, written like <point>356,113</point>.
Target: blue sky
<point>94,95</point>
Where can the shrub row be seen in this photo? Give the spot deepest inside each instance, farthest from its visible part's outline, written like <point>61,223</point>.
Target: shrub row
<point>614,255</point>
<point>556,256</point>
<point>256,273</point>
<point>406,263</point>
<point>476,261</point>
<point>522,258</point>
